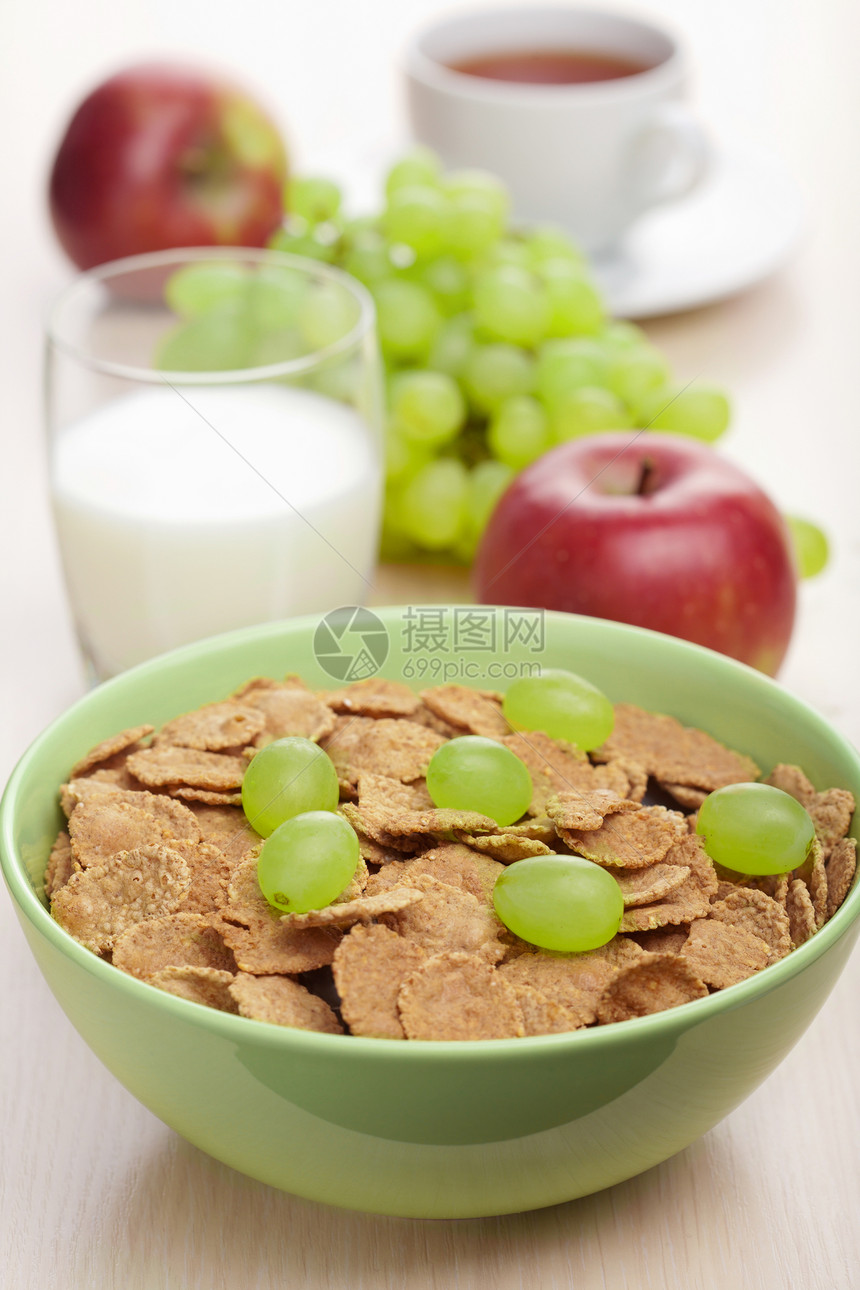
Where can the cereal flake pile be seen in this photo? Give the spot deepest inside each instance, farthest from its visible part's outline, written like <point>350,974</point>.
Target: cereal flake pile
<point>156,869</point>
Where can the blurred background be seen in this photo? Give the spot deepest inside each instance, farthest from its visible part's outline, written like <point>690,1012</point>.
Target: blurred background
<point>780,75</point>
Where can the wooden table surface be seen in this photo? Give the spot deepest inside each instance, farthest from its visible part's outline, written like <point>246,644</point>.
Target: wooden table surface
<point>95,1193</point>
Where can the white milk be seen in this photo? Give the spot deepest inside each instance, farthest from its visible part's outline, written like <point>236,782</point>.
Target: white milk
<point>168,534</point>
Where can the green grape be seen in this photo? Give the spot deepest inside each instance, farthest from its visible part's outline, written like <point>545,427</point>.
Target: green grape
<point>476,774</point>
<point>196,288</point>
<point>562,705</point>
<point>274,296</point>
<point>395,547</point>
<point>634,372</point>
<point>480,184</point>
<point>390,378</point>
<point>497,372</point>
<point>416,217</point>
<point>487,481</point>
<point>432,504</point>
<point>811,548</point>
<point>402,257</point>
<point>428,406</point>
<point>307,861</point>
<point>407,319</point>
<point>273,347</point>
<point>452,348</point>
<point>313,198</point>
<point>449,281</point>
<point>419,167</point>
<point>465,547</point>
<point>403,456</point>
<point>284,779</point>
<point>701,411</point>
<point>546,243</point>
<point>565,365</point>
<point>329,233</point>
<point>511,305</point>
<point>508,250</point>
<point>575,305</point>
<point>341,377</point>
<point>560,903</point>
<point>472,224</point>
<point>367,258</point>
<point>357,225</point>
<point>587,410</point>
<point>755,829</point>
<point>297,237</point>
<point>393,509</point>
<point>519,431</point>
<point>221,340</point>
<point>622,334</point>
<point>329,313</point>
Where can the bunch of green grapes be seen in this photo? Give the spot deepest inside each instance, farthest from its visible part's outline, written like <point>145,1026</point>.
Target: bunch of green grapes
<point>497,346</point>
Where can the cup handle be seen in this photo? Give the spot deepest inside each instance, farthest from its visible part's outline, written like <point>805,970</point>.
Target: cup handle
<point>669,156</point>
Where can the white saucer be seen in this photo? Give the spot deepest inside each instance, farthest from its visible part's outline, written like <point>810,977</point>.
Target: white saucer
<point>734,230</point>
<point>737,227</point>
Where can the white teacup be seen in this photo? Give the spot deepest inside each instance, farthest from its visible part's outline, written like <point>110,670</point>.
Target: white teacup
<point>591,156</point>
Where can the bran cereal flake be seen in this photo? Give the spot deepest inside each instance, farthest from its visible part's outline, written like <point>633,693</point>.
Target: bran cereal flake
<point>453,863</point>
<point>369,967</point>
<point>363,909</point>
<point>653,984</point>
<point>841,865</point>
<point>756,912</point>
<point>204,985</point>
<point>214,727</point>
<point>118,820</point>
<point>801,914</point>
<point>454,995</point>
<point>721,954</point>
<point>472,712</point>
<point>171,940</point>
<point>60,865</point>
<point>98,904</point>
<point>373,697</point>
<point>673,753</point>
<point>447,918</point>
<point>108,749</point>
<point>282,1002</point>
<point>631,839</point>
<point>169,765</point>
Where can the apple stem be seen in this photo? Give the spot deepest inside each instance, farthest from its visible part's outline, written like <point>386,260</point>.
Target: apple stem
<point>647,478</point>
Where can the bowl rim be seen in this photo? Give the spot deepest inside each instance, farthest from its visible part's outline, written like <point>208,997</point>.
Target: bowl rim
<point>236,1028</point>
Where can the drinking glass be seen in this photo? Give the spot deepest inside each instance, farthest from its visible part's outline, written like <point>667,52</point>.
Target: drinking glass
<point>214,420</point>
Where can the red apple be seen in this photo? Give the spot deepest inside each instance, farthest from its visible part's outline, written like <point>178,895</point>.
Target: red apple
<point>161,156</point>
<point>649,529</point>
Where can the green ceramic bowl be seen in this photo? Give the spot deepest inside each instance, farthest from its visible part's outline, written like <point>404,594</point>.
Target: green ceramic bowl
<point>436,1129</point>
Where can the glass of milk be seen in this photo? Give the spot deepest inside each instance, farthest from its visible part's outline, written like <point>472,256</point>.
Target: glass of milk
<point>215,442</point>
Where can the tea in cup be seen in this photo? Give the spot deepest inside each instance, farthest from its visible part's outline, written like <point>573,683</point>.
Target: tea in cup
<point>580,113</point>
